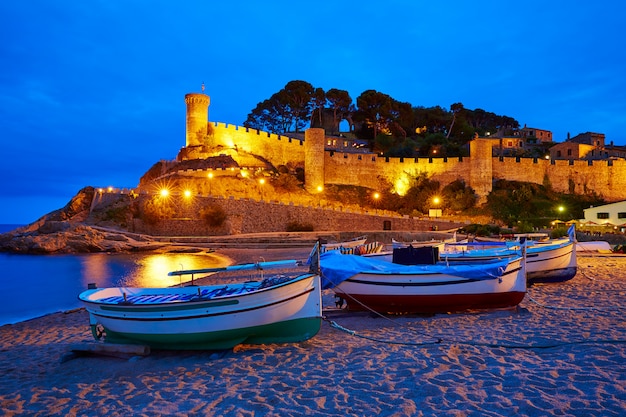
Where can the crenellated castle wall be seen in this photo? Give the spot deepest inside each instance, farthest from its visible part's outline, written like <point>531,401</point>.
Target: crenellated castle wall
<point>277,149</point>
<point>606,178</point>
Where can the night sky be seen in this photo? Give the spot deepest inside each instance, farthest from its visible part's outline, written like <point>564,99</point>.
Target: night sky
<point>92,92</point>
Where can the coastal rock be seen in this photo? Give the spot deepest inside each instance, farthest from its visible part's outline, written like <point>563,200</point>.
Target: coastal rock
<point>64,237</point>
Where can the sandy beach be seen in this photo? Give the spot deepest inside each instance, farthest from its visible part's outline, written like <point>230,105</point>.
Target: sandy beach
<point>562,352</point>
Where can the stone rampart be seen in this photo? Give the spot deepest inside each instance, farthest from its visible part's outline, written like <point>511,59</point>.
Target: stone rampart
<point>369,169</point>
<point>279,150</point>
<point>253,216</point>
<point>606,178</point>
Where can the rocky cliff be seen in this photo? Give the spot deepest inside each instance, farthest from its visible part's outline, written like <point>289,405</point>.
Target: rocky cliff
<point>64,231</point>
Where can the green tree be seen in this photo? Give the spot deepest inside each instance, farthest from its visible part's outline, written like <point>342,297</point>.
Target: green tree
<point>271,115</point>
<point>340,102</point>
<point>298,96</point>
<point>319,103</point>
<point>458,196</point>
<point>455,108</point>
<point>374,109</point>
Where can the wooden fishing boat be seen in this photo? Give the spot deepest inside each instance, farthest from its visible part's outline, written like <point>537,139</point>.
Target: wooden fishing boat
<point>546,261</point>
<point>279,308</point>
<point>367,283</point>
<point>357,241</point>
<point>421,243</point>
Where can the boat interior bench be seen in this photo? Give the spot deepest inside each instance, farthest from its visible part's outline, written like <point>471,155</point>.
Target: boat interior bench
<point>201,295</point>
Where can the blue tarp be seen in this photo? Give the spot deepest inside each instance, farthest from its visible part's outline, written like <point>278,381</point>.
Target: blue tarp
<point>336,268</point>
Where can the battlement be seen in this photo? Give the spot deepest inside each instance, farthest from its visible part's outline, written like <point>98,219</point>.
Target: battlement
<point>607,178</point>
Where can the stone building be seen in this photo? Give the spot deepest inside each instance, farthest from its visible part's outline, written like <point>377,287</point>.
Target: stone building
<point>567,173</point>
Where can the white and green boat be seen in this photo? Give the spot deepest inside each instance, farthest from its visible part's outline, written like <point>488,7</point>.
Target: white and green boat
<point>277,309</point>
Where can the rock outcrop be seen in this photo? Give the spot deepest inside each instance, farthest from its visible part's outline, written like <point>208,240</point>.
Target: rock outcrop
<point>64,231</point>
<point>55,237</point>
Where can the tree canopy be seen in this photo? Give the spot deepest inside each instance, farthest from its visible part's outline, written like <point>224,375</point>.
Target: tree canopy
<point>391,127</point>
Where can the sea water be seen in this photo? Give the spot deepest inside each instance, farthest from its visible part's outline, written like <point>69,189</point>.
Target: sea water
<point>35,285</point>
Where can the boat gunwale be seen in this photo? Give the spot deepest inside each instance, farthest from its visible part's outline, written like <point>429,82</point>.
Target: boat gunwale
<point>195,299</point>
<point>137,309</point>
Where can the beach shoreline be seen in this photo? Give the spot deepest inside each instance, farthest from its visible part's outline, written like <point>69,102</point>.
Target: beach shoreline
<point>562,351</point>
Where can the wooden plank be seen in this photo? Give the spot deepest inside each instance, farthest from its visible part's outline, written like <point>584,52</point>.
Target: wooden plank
<point>111,349</point>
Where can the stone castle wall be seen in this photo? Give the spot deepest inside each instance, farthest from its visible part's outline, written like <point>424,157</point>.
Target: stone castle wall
<point>252,216</point>
<point>277,149</point>
<point>606,178</point>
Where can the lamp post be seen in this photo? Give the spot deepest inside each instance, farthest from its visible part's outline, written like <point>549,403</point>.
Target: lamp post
<point>320,189</point>
<point>376,197</point>
<point>210,176</point>
<point>261,182</point>
<point>436,211</point>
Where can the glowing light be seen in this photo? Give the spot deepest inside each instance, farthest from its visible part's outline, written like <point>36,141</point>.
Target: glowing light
<point>164,192</point>
<point>436,200</point>
<point>320,188</point>
<point>210,175</point>
<point>187,193</point>
<point>376,196</point>
<point>401,186</point>
<point>110,189</point>
<point>100,190</point>
<point>262,181</point>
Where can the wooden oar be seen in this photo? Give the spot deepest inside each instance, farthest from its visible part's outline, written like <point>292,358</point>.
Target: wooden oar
<point>240,267</point>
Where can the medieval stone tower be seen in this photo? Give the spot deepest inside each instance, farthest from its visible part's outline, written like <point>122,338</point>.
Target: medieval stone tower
<point>197,118</point>
<point>314,139</point>
<point>481,168</point>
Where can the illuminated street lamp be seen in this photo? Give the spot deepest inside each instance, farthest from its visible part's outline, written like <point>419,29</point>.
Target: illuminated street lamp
<point>435,211</point>
<point>187,193</point>
<point>561,210</point>
<point>376,197</point>
<point>164,192</point>
<point>210,176</point>
<point>261,182</point>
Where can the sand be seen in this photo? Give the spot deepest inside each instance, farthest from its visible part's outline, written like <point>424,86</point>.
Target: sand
<point>562,352</point>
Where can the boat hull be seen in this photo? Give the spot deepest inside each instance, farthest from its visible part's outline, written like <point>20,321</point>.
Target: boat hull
<point>433,293</point>
<point>289,312</point>
<point>545,262</point>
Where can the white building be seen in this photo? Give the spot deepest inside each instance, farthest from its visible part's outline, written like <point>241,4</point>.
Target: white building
<point>613,214</point>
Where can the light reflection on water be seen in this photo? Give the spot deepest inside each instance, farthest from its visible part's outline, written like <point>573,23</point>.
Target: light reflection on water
<point>35,285</point>
<point>143,271</point>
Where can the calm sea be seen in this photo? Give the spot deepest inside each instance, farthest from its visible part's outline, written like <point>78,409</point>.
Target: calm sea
<point>36,285</point>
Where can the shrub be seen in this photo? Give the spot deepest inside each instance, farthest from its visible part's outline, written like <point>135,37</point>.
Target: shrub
<point>558,232</point>
<point>156,209</point>
<point>286,182</point>
<point>213,216</point>
<point>299,227</point>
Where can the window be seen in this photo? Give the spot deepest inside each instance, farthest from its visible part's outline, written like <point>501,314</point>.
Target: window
<point>558,154</point>
<point>569,152</point>
<point>621,215</point>
<point>603,215</point>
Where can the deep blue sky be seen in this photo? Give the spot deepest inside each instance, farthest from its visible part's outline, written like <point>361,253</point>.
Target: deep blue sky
<point>92,92</point>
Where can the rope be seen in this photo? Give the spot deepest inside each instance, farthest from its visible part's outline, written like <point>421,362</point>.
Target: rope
<point>337,326</point>
<point>615,308</point>
<point>380,315</point>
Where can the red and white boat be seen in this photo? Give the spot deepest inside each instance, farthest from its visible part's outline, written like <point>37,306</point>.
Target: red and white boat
<point>367,283</point>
